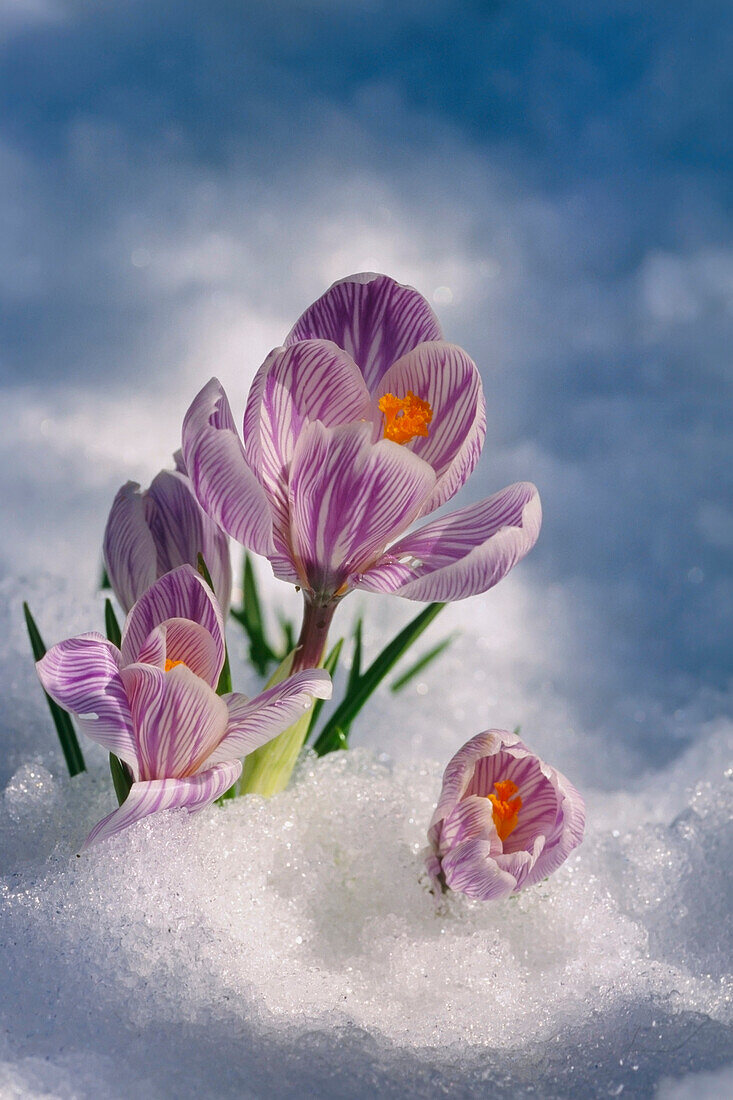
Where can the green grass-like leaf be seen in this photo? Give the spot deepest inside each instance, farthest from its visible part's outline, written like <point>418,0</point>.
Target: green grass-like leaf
<point>423,662</point>
<point>120,778</point>
<point>61,720</point>
<point>111,625</point>
<point>334,734</point>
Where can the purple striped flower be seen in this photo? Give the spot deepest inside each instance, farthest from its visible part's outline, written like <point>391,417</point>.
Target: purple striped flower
<point>151,532</point>
<point>365,421</point>
<point>504,820</point>
<point>153,702</point>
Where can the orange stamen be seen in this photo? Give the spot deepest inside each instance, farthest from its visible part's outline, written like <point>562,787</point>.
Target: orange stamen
<point>506,808</point>
<point>172,664</point>
<point>404,417</point>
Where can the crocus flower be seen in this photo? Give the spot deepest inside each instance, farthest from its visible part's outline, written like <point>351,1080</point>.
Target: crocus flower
<point>151,532</point>
<point>364,422</point>
<point>504,820</point>
<point>153,701</point>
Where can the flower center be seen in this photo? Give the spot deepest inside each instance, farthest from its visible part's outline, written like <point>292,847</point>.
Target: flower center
<point>506,808</point>
<point>404,417</point>
<point>172,664</point>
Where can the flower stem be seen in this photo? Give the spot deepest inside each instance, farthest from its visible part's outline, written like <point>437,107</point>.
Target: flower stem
<point>267,770</point>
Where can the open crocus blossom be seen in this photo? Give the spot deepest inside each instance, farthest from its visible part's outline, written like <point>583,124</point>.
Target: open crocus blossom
<point>505,819</point>
<point>364,422</point>
<point>153,701</point>
<point>151,532</point>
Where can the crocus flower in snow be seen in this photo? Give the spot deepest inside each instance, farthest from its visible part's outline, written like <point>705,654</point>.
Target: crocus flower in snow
<point>151,532</point>
<point>153,702</point>
<point>504,820</point>
<point>366,421</point>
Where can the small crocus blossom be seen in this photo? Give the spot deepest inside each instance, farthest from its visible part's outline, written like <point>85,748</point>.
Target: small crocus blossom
<point>153,702</point>
<point>365,421</point>
<point>505,820</point>
<point>151,532</point>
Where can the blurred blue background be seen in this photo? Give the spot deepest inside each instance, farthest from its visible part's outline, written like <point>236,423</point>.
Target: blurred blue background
<point>179,180</point>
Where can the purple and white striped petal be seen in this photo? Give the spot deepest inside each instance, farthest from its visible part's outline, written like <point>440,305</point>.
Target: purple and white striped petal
<point>312,380</point>
<point>192,645</point>
<point>181,530</point>
<point>227,489</point>
<point>145,798</point>
<point>444,376</point>
<point>470,819</point>
<point>128,547</point>
<point>373,318</point>
<point>470,869</point>
<point>463,553</point>
<point>180,594</point>
<point>253,722</point>
<point>83,676</point>
<point>178,720</point>
<point>348,497</point>
<point>567,835</point>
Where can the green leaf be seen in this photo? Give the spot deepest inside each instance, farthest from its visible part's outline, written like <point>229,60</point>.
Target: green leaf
<point>120,777</point>
<point>330,666</point>
<point>104,580</point>
<point>61,720</point>
<point>288,629</point>
<point>422,663</point>
<point>355,670</point>
<point>225,676</point>
<point>114,634</point>
<point>334,734</point>
<point>249,616</point>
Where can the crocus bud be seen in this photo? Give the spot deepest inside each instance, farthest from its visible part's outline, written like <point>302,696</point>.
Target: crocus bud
<point>504,820</point>
<point>151,532</point>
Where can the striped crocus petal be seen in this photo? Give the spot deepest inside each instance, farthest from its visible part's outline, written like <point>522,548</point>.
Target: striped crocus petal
<point>444,376</point>
<point>470,869</point>
<point>150,797</point>
<point>460,771</point>
<point>180,641</point>
<point>312,380</point>
<point>181,530</point>
<point>227,489</point>
<point>348,497</point>
<point>180,594</point>
<point>128,546</point>
<point>567,834</point>
<point>178,720</point>
<point>83,676</point>
<point>253,722</point>
<point>374,319</point>
<point>463,553</point>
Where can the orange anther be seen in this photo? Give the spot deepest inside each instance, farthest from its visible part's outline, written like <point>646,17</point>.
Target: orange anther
<point>506,808</point>
<point>405,417</point>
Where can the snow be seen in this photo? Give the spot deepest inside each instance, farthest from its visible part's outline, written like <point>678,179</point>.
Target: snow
<point>291,947</point>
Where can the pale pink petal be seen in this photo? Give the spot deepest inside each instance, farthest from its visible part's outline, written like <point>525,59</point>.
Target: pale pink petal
<point>444,376</point>
<point>568,833</point>
<point>180,594</point>
<point>348,497</point>
<point>470,869</point>
<point>152,796</point>
<point>227,489</point>
<point>471,818</point>
<point>128,547</point>
<point>463,553</point>
<point>312,380</point>
<point>181,531</point>
<point>83,676</point>
<point>374,319</point>
<point>459,772</point>
<point>253,722</point>
<point>178,720</point>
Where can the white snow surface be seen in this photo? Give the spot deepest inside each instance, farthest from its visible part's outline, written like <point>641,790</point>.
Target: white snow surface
<point>291,947</point>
